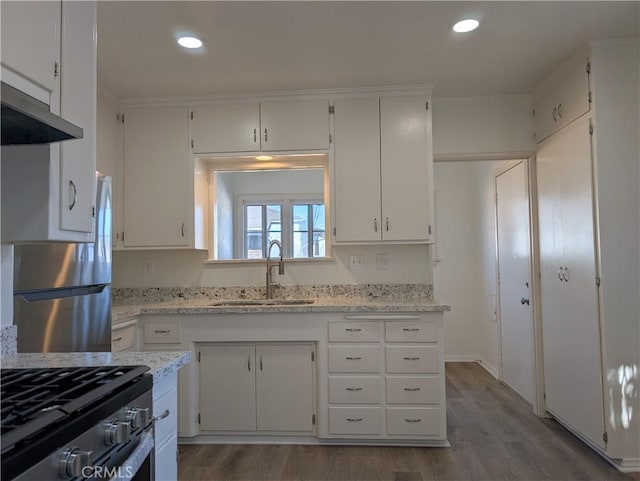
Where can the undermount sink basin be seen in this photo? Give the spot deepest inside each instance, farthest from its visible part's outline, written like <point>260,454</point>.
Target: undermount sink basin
<point>264,302</point>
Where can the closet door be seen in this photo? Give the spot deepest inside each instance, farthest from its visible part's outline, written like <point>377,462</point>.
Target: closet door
<point>571,324</point>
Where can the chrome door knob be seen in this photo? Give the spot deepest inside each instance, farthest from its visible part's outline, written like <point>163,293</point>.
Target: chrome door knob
<point>138,417</point>
<point>117,432</point>
<point>74,463</point>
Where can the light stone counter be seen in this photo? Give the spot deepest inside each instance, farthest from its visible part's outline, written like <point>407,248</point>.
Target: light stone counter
<point>162,363</point>
<point>322,305</point>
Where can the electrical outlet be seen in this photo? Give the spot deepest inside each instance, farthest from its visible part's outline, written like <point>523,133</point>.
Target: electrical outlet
<point>355,262</point>
<point>382,262</point>
<point>147,266</point>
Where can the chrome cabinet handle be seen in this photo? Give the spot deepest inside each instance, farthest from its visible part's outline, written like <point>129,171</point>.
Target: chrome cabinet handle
<point>411,358</point>
<point>117,339</point>
<point>249,363</point>
<point>261,363</point>
<point>524,301</point>
<point>387,224</point>
<point>411,389</point>
<point>265,135</point>
<point>354,420</point>
<point>560,110</point>
<point>75,194</point>
<point>375,224</point>
<point>255,135</point>
<point>565,274</point>
<point>353,358</point>
<point>353,329</point>
<point>410,329</point>
<point>413,420</point>
<point>554,114</point>
<point>560,273</point>
<point>182,229</point>
<point>164,415</point>
<point>162,331</point>
<point>354,389</point>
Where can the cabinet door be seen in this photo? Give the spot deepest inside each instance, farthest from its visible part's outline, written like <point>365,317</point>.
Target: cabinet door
<point>226,128</point>
<point>156,176</point>
<point>228,388</point>
<point>294,125</point>
<point>31,42</point>
<point>78,105</point>
<point>406,168</point>
<point>357,170</point>
<point>571,326</point>
<point>285,388</point>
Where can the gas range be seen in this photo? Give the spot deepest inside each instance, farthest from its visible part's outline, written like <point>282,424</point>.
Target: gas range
<point>73,423</point>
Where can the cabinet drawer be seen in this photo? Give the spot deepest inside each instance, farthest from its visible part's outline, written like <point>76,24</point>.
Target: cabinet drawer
<point>354,359</point>
<point>412,359</point>
<point>413,390</point>
<point>360,420</point>
<point>167,426</point>
<point>162,333</point>
<point>413,421</point>
<point>363,331</point>
<point>122,338</point>
<point>411,331</point>
<point>354,390</point>
<point>562,100</point>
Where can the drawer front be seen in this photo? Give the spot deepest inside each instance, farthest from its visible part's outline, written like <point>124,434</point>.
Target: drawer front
<point>412,359</point>
<point>122,339</point>
<point>411,331</point>
<point>413,390</point>
<point>167,426</point>
<point>360,420</point>
<point>357,331</point>
<point>354,359</point>
<point>413,421</point>
<point>563,101</point>
<point>354,390</point>
<point>162,333</point>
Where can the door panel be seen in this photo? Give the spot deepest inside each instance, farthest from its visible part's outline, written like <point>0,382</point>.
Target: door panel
<point>516,319</point>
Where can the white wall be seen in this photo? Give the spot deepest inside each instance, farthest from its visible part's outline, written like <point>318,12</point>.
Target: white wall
<point>464,273</point>
<point>482,125</point>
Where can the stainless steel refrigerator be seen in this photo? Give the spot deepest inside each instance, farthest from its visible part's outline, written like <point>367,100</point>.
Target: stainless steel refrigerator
<point>62,291</point>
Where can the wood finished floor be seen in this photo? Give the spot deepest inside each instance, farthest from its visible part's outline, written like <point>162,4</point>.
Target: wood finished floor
<point>494,435</point>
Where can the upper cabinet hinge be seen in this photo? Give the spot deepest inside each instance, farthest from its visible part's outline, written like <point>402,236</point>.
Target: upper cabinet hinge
<point>427,106</point>
<point>589,97</point>
<point>605,437</point>
<point>330,138</point>
<point>122,118</point>
<point>199,358</point>
<point>192,143</point>
<point>332,109</point>
<point>199,419</point>
<point>590,129</point>
<point>334,231</point>
<point>192,115</point>
<point>313,419</point>
<point>93,211</point>
<point>56,69</point>
<point>588,67</point>
<point>597,280</point>
<point>122,236</point>
<point>313,356</point>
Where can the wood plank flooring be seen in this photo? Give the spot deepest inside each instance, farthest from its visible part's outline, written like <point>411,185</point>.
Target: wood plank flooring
<point>494,435</point>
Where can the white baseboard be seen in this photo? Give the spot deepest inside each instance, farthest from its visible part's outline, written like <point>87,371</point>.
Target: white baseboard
<point>460,358</point>
<point>491,369</point>
<point>628,465</point>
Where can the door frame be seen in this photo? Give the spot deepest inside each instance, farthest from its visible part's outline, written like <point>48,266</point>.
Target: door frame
<point>539,407</point>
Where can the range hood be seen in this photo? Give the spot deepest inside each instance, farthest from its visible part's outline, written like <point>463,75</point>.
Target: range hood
<point>26,120</point>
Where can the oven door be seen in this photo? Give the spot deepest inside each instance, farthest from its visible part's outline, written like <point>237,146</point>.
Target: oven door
<point>136,466</point>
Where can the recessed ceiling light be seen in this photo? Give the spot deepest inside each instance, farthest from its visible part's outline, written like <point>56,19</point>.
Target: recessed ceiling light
<point>190,42</point>
<point>264,157</point>
<point>466,25</point>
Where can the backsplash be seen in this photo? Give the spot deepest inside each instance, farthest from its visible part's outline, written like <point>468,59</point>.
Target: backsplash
<point>8,341</point>
<point>136,295</point>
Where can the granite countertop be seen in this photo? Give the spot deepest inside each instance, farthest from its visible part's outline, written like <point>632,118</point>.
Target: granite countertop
<point>121,313</point>
<point>162,363</point>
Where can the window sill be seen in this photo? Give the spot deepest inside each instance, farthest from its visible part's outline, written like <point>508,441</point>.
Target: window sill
<point>249,262</point>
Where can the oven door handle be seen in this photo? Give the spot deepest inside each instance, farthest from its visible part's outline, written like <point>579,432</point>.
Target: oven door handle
<point>130,467</point>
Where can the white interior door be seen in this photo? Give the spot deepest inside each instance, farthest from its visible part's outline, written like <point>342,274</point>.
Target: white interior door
<point>516,315</point>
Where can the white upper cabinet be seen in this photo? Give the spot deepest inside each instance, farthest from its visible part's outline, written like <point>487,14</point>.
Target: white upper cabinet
<point>266,126</point>
<point>383,185</point>
<point>226,127</point>
<point>157,187</point>
<point>78,105</point>
<point>562,98</point>
<point>31,47</point>
<point>53,186</point>
<point>294,125</point>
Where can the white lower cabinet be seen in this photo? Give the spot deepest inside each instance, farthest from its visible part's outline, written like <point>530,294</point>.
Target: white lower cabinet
<point>165,410</point>
<point>257,387</point>
<point>354,420</point>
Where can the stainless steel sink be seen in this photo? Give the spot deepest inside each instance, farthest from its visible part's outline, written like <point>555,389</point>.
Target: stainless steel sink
<point>263,302</point>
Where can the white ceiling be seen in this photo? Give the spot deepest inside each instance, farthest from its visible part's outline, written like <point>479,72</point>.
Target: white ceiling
<point>273,46</point>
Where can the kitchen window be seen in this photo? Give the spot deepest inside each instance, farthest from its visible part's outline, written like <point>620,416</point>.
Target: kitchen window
<point>254,202</point>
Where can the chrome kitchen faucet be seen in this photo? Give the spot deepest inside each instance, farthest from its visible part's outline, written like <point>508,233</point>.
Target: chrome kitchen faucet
<point>270,265</point>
